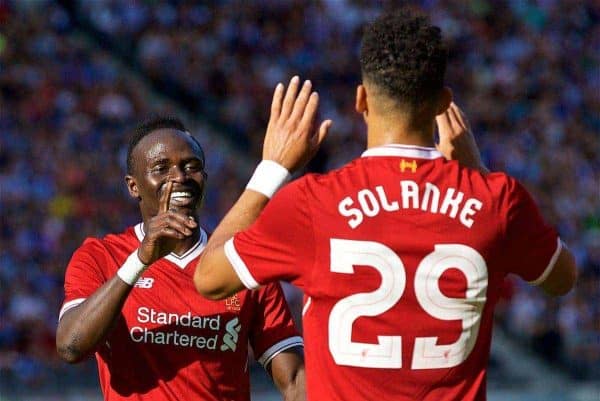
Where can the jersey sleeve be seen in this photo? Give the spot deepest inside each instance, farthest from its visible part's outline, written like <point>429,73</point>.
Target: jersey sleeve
<point>280,243</point>
<point>84,274</point>
<point>532,245</point>
<point>273,329</point>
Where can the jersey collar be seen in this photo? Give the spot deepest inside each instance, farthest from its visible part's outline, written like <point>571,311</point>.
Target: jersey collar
<point>183,260</point>
<point>415,152</point>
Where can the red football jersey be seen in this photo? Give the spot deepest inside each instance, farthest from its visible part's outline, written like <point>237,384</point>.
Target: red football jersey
<point>401,255</point>
<point>170,344</point>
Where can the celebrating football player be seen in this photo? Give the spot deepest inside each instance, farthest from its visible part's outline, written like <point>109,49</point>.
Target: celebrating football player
<point>129,297</point>
<point>401,253</point>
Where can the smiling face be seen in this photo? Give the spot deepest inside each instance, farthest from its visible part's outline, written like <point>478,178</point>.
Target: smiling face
<point>167,155</point>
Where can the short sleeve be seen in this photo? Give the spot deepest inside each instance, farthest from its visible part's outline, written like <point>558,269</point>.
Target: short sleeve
<point>83,275</point>
<point>273,329</point>
<point>280,243</point>
<point>532,245</point>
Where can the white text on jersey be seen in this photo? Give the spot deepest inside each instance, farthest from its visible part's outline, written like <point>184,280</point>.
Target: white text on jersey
<point>427,198</point>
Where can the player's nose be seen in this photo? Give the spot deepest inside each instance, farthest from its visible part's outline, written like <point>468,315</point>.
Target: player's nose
<point>177,174</point>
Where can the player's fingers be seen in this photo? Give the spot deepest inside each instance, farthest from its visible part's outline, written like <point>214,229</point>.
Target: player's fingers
<point>443,122</point>
<point>290,97</point>
<point>180,218</point>
<point>301,101</point>
<point>177,225</point>
<point>310,113</point>
<point>323,131</point>
<point>276,103</point>
<point>165,197</point>
<point>169,232</point>
<point>455,120</point>
<point>462,115</point>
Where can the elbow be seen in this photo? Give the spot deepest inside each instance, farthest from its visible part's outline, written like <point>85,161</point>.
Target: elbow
<point>209,291</point>
<point>68,346</point>
<point>295,388</point>
<point>558,288</point>
<point>564,286</point>
<point>68,352</point>
<point>206,286</point>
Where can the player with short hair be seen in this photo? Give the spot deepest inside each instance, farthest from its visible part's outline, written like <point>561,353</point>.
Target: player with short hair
<point>401,253</point>
<point>129,297</point>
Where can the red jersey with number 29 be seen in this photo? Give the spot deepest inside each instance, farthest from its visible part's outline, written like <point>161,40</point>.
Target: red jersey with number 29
<point>401,255</point>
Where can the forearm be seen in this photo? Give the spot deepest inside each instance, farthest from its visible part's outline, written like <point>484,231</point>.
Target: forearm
<point>84,327</point>
<point>296,389</point>
<point>243,213</point>
<point>214,278</point>
<point>287,371</point>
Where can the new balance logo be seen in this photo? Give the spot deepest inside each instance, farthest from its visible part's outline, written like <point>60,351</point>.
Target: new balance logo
<point>144,282</point>
<point>230,339</point>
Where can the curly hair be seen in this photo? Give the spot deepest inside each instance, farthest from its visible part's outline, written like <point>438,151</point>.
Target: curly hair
<point>404,56</point>
<point>151,125</point>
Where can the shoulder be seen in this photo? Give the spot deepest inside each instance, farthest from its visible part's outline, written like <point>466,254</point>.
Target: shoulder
<point>324,181</point>
<point>500,184</point>
<point>108,243</point>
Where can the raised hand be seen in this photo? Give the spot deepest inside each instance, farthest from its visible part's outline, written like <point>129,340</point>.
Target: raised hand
<point>291,140</point>
<point>164,230</point>
<point>456,139</point>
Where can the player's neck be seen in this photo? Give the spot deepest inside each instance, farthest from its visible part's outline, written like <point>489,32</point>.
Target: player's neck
<point>186,244</point>
<point>381,133</point>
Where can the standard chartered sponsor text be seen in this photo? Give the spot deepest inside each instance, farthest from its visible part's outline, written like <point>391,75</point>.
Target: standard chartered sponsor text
<point>205,340</point>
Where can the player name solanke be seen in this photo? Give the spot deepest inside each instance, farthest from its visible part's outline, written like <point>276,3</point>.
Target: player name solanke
<point>428,198</point>
<point>147,315</point>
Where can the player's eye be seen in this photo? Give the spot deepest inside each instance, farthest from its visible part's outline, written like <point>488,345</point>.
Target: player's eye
<point>159,169</point>
<point>193,167</point>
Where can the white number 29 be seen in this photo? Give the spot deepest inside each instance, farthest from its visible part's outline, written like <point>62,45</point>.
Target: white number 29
<point>387,353</point>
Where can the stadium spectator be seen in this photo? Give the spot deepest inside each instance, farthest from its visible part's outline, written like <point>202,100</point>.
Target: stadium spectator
<point>402,252</point>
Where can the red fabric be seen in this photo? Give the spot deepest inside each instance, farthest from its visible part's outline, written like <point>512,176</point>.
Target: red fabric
<point>292,240</point>
<point>193,365</point>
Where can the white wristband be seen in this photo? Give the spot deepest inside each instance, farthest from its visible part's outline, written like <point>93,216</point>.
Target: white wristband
<point>268,177</point>
<point>131,269</point>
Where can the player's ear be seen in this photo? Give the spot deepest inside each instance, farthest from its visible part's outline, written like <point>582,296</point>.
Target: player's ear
<point>444,101</point>
<point>132,187</point>
<point>361,105</point>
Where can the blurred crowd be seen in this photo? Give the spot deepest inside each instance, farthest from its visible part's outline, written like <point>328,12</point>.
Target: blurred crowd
<point>526,73</point>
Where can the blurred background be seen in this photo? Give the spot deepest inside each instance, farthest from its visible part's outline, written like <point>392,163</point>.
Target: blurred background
<point>77,76</point>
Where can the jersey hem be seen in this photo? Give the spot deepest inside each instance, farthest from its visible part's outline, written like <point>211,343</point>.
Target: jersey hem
<point>550,266</point>
<point>70,305</point>
<point>278,348</point>
<point>239,266</point>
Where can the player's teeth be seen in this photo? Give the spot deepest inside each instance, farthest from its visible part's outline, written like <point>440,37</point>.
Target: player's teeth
<point>181,195</point>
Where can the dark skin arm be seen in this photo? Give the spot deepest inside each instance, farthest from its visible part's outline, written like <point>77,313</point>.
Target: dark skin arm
<point>82,329</point>
<point>287,371</point>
